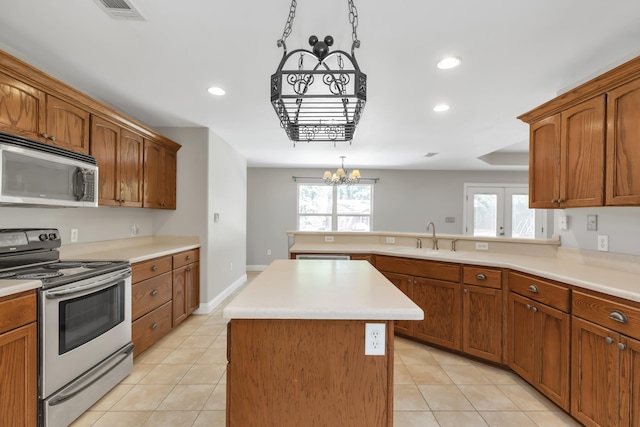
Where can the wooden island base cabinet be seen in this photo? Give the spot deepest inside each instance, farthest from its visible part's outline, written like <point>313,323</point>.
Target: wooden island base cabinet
<point>307,370</point>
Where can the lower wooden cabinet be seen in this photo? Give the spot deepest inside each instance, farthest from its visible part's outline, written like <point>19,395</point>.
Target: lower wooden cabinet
<point>150,328</point>
<point>441,303</point>
<point>18,360</point>
<point>482,322</point>
<point>405,284</point>
<point>186,285</point>
<point>605,363</point>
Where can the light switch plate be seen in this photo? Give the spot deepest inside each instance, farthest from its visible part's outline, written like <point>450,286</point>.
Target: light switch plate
<point>592,222</point>
<point>563,222</point>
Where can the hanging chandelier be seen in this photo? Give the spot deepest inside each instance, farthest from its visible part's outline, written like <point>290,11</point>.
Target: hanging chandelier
<point>341,177</point>
<point>317,95</point>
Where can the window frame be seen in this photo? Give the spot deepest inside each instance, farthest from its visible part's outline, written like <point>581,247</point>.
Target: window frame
<point>333,215</point>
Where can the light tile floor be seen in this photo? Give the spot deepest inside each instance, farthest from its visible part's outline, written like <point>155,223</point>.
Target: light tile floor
<point>181,381</point>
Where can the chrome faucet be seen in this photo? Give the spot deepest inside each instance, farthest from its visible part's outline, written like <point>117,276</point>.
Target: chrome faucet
<point>453,245</point>
<point>433,235</point>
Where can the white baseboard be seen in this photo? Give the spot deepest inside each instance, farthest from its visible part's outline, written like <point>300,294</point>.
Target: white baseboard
<point>256,267</point>
<point>210,306</point>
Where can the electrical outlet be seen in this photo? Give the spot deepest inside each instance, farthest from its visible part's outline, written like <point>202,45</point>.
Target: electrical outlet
<point>374,339</point>
<point>134,229</point>
<point>563,222</point>
<point>603,243</point>
<point>74,235</point>
<point>391,239</point>
<point>268,251</point>
<point>328,239</point>
<point>482,246</point>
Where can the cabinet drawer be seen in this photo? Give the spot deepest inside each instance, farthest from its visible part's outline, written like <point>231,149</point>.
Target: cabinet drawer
<point>429,269</point>
<point>150,328</point>
<point>17,310</point>
<point>147,269</point>
<point>482,276</point>
<point>150,294</point>
<point>540,290</point>
<point>186,257</point>
<point>620,317</point>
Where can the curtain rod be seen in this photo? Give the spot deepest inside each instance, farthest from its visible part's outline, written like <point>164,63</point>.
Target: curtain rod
<point>296,178</point>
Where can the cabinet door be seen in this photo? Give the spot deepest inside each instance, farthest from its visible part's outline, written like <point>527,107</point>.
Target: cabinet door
<point>405,284</point>
<point>521,336</point>
<point>582,154</point>
<point>169,171</point>
<point>130,159</point>
<point>595,380</point>
<point>482,322</point>
<point>18,365</point>
<point>441,302</point>
<point>544,163</point>
<point>553,354</point>
<point>153,180</point>
<point>180,299</point>
<point>623,145</point>
<point>22,108</point>
<point>629,381</point>
<point>193,287</point>
<point>105,137</point>
<point>67,125</point>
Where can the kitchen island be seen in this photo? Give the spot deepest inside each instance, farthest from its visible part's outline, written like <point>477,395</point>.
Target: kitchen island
<point>296,346</point>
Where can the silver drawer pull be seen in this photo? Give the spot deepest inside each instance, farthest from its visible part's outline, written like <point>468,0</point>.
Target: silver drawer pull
<point>154,326</point>
<point>481,276</point>
<point>535,309</point>
<point>533,288</point>
<point>154,268</point>
<point>188,257</point>
<point>608,340</point>
<point>621,346</point>
<point>618,317</point>
<point>528,306</point>
<point>154,292</point>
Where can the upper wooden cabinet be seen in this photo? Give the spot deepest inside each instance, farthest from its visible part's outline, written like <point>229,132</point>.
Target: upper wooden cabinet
<point>623,145</point>
<point>159,176</point>
<point>22,108</point>
<point>119,153</point>
<point>67,126</point>
<point>585,138</point>
<point>566,157</point>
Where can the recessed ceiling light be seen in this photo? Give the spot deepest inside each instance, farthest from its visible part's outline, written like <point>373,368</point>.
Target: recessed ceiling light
<point>450,62</point>
<point>431,154</point>
<point>440,108</point>
<point>216,91</point>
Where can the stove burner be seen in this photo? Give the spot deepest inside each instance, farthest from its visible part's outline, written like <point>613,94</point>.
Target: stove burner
<point>39,275</point>
<point>96,264</point>
<point>65,264</point>
<point>7,274</point>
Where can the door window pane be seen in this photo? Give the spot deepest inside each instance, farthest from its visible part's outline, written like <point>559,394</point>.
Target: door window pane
<point>485,215</point>
<point>522,218</point>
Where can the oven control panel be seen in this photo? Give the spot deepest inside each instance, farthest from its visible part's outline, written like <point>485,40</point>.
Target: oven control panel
<point>21,239</point>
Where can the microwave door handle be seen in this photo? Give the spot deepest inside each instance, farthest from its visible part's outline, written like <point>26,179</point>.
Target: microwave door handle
<point>80,184</point>
<point>93,286</point>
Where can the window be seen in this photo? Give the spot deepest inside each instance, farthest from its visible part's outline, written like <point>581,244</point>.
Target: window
<point>501,210</point>
<point>341,208</point>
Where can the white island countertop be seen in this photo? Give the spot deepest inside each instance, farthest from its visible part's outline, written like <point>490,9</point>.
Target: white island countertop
<point>322,289</point>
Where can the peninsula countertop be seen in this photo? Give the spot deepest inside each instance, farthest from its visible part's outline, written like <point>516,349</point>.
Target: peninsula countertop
<point>322,289</point>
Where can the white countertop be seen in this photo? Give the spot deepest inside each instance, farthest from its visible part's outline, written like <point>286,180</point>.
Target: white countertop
<point>611,280</point>
<point>318,289</point>
<point>132,250</point>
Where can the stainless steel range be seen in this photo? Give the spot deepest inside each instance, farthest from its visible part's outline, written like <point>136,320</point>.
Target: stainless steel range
<point>84,321</point>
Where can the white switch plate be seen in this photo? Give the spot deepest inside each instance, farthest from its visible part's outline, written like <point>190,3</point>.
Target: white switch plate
<point>391,239</point>
<point>328,239</point>
<point>603,243</point>
<point>563,222</point>
<point>592,222</point>
<point>74,235</point>
<point>374,339</point>
<point>482,246</point>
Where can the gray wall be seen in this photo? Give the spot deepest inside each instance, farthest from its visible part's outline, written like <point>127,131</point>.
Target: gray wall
<point>404,201</point>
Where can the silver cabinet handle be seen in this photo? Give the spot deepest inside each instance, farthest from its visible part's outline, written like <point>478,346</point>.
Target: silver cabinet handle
<point>154,326</point>
<point>535,309</point>
<point>481,276</point>
<point>533,288</point>
<point>560,200</point>
<point>44,135</point>
<point>621,346</point>
<point>608,340</point>
<point>618,317</point>
<point>52,138</point>
<point>554,201</point>
<point>154,292</point>
<point>528,306</point>
<point>188,257</point>
<point>154,268</point>
<point>466,290</point>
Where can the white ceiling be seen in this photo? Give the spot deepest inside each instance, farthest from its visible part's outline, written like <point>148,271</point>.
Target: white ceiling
<point>516,55</point>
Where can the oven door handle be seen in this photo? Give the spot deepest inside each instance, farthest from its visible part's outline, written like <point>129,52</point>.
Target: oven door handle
<point>92,286</point>
<point>94,375</point>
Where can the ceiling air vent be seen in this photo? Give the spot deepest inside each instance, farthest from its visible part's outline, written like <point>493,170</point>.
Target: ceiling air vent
<point>120,9</point>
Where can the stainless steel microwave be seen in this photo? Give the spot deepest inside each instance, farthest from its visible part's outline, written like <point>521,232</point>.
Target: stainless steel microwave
<point>37,174</point>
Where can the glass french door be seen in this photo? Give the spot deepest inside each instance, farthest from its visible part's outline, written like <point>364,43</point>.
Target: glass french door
<point>501,211</point>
